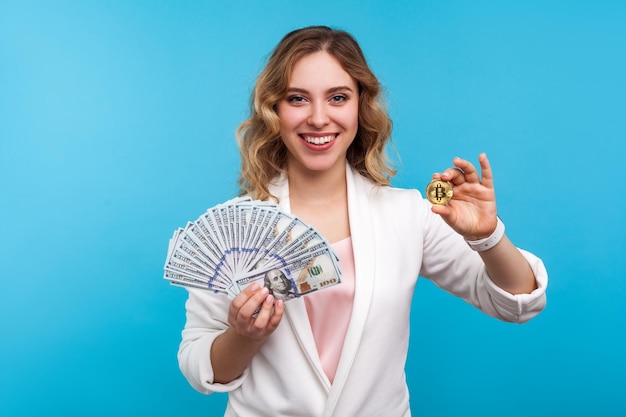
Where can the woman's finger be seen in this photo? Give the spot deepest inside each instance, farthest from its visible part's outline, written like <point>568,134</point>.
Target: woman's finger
<point>485,168</point>
<point>239,301</point>
<point>454,175</point>
<point>244,314</point>
<point>470,173</point>
<point>265,312</point>
<point>279,308</point>
<point>249,309</point>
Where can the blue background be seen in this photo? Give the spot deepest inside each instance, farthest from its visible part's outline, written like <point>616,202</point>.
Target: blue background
<point>117,123</point>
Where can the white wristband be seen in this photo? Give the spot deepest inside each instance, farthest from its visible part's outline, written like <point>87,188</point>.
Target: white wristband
<point>490,241</point>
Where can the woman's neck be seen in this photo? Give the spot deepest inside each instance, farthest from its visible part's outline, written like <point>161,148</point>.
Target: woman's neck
<point>321,200</point>
<point>317,188</point>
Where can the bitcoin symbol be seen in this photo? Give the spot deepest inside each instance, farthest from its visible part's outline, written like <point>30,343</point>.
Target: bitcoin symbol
<point>439,192</point>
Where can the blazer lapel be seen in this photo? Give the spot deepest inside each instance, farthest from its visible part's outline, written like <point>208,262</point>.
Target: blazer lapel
<point>295,310</point>
<point>363,243</point>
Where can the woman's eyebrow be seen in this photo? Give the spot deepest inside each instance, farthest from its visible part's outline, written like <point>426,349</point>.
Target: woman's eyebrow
<point>330,90</point>
<point>340,88</point>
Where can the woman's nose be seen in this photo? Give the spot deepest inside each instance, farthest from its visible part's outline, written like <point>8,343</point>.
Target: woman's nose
<point>318,116</point>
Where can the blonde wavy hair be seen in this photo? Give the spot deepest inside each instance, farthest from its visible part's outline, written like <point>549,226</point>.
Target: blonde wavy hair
<point>263,154</point>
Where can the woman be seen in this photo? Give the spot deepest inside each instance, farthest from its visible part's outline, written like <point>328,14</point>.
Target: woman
<point>315,142</point>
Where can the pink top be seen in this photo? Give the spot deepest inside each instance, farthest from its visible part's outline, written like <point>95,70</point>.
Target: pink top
<point>330,310</point>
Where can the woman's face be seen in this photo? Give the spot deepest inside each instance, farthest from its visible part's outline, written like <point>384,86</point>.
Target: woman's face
<point>319,116</point>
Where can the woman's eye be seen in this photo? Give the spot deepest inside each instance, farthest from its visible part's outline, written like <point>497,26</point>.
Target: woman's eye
<point>338,98</point>
<point>295,99</point>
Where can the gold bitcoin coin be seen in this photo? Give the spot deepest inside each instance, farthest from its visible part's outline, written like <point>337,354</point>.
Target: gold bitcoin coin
<point>439,192</point>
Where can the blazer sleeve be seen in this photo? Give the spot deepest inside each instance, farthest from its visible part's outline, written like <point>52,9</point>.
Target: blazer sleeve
<point>207,318</point>
<point>452,265</point>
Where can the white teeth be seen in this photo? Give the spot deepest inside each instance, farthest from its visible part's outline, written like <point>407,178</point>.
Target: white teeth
<point>319,140</point>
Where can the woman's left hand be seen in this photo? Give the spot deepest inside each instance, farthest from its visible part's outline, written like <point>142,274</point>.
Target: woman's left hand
<point>472,210</point>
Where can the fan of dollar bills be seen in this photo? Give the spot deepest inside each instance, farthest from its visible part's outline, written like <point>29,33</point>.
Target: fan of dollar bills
<point>243,241</point>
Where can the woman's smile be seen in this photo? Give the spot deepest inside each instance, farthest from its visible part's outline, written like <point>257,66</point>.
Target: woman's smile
<point>318,140</point>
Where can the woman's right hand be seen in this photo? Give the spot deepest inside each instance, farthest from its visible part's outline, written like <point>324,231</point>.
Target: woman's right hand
<point>242,317</point>
<point>233,350</point>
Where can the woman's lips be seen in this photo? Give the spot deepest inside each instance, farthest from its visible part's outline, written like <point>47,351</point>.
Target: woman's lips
<point>319,140</point>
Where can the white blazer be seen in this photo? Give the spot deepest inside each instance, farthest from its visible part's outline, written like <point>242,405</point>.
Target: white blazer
<point>396,238</point>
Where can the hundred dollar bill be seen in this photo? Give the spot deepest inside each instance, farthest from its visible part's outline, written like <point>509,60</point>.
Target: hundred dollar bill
<point>264,225</point>
<point>192,242</point>
<point>267,232</point>
<point>287,230</point>
<point>182,280</point>
<point>301,276</point>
